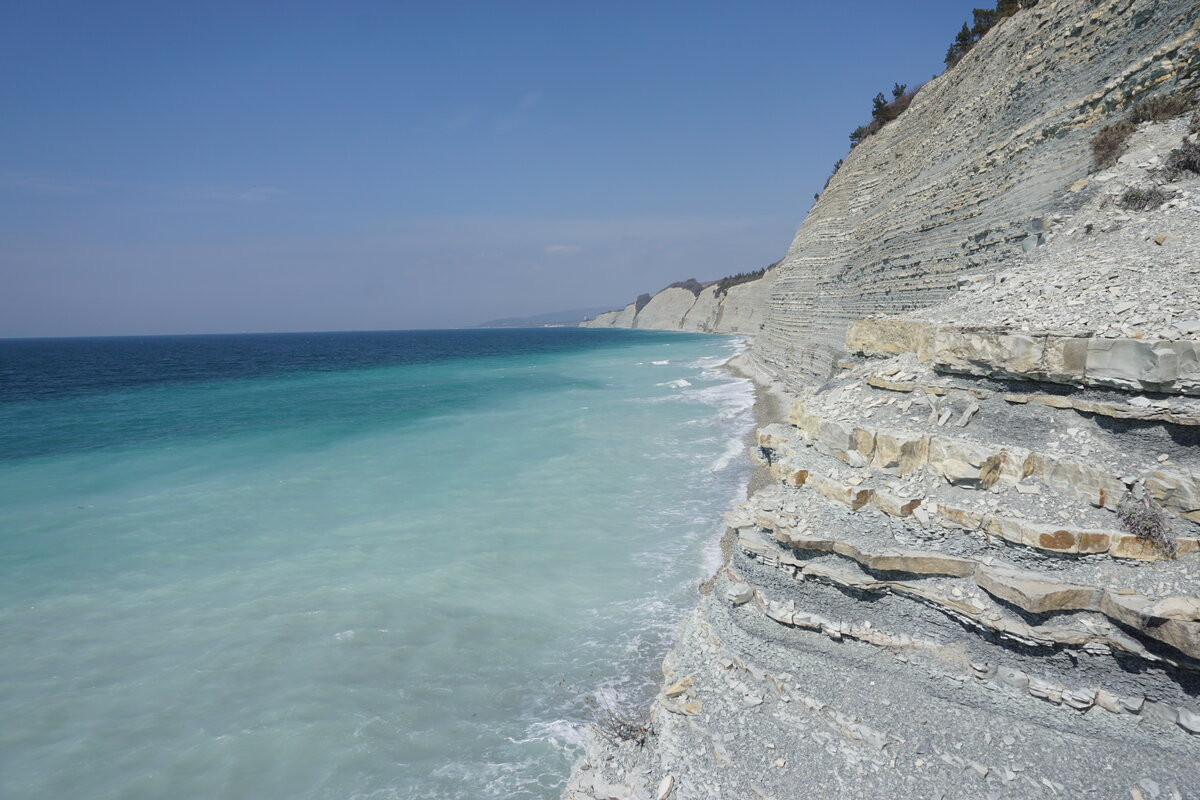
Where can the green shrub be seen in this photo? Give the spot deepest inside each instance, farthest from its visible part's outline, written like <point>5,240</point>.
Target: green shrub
<point>725,284</point>
<point>836,166</point>
<point>883,111</point>
<point>691,284</point>
<point>984,20</point>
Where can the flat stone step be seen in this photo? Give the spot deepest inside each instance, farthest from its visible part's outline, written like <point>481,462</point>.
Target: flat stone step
<point>972,464</point>
<point>1139,408</point>
<point>1079,697</point>
<point>1174,621</point>
<point>1046,537</point>
<point>1150,412</point>
<point>1169,366</point>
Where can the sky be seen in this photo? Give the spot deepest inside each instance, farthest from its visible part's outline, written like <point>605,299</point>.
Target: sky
<point>226,167</point>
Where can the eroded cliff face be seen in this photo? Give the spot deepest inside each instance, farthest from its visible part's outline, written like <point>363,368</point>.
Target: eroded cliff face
<point>966,176</point>
<point>741,309</point>
<point>666,310</point>
<point>973,567</point>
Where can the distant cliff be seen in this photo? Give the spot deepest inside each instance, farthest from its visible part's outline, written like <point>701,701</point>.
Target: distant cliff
<point>741,308</point>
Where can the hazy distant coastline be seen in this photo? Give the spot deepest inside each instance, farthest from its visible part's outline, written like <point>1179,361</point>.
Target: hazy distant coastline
<point>569,318</point>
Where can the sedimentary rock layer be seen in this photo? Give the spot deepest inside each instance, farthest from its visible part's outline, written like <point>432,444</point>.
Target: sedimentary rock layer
<point>967,175</point>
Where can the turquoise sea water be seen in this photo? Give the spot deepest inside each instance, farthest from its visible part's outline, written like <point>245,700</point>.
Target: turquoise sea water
<point>345,565</point>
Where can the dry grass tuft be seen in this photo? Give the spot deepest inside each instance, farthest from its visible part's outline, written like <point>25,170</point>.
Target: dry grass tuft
<point>1183,159</point>
<point>1137,198</point>
<point>1110,142</point>
<point>1145,520</point>
<point>618,721</point>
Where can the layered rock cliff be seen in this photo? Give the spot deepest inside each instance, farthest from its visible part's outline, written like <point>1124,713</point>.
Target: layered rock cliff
<point>972,569</point>
<point>969,173</point>
<point>739,309</point>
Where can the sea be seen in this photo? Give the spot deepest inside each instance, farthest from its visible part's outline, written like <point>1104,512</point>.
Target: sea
<point>347,565</point>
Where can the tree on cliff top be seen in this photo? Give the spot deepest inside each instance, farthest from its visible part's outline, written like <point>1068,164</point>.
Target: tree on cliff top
<point>983,19</point>
<point>691,284</point>
<point>883,111</point>
<point>964,40</point>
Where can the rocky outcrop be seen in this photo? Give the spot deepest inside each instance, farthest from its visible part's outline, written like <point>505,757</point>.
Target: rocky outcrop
<point>744,307</point>
<point>618,319</point>
<point>973,566</point>
<point>604,320</point>
<point>705,313</point>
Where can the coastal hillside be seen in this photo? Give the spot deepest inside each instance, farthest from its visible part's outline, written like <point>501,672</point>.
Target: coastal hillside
<point>973,172</point>
<point>570,317</point>
<point>970,563</point>
<point>722,306</point>
<point>976,171</point>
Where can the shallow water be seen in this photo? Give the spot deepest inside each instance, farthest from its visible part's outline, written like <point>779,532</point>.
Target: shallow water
<point>345,565</point>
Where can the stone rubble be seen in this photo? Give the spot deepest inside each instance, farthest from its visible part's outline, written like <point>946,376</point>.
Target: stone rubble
<point>1104,271</point>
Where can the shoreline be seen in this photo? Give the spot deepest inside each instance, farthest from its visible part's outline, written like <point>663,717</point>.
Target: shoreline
<point>772,403</point>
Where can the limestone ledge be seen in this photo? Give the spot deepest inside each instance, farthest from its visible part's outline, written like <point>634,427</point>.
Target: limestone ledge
<point>1166,366</point>
<point>740,592</point>
<point>1145,413</point>
<point>970,464</point>
<point>1141,409</point>
<point>1174,620</point>
<point>1043,536</point>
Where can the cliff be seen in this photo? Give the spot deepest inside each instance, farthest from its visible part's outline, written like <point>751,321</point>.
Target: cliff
<point>740,309</point>
<point>971,567</point>
<point>968,175</point>
<point>963,180</point>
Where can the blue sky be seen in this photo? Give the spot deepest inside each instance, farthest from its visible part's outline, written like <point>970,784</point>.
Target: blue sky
<point>356,165</point>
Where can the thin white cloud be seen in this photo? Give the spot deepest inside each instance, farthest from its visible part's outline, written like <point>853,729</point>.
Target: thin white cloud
<point>49,184</point>
<point>509,122</point>
<point>517,116</point>
<point>250,194</point>
<point>462,119</point>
